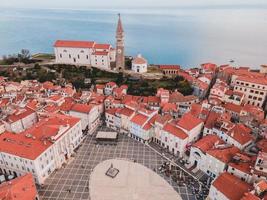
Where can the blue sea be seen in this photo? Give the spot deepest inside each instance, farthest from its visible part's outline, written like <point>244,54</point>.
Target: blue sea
<point>185,36</point>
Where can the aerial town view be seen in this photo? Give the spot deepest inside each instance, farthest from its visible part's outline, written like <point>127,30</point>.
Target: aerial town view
<point>143,100</point>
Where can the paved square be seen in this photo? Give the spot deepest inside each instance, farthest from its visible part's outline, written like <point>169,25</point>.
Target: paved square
<point>71,182</point>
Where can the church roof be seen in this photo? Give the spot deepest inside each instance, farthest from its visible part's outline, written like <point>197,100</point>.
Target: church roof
<point>74,44</point>
<point>139,60</point>
<point>120,27</point>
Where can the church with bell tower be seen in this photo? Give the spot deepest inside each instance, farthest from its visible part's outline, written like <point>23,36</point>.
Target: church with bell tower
<point>120,59</point>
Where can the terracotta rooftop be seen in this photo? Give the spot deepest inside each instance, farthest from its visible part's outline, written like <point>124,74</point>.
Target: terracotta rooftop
<point>126,111</point>
<point>169,67</point>
<point>82,108</point>
<point>139,60</point>
<point>21,188</point>
<point>241,134</point>
<point>74,44</point>
<point>20,114</point>
<point>188,122</point>
<point>232,187</point>
<point>208,142</point>
<point>102,46</point>
<point>139,119</point>
<point>225,154</point>
<point>34,141</point>
<point>171,128</point>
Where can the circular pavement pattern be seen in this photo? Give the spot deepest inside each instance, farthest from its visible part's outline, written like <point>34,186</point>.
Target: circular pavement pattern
<point>133,182</point>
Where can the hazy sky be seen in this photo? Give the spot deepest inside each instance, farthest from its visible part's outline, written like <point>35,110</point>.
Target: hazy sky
<point>125,3</point>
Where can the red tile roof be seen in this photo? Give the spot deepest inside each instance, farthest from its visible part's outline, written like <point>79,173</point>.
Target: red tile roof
<point>82,108</point>
<point>233,107</point>
<point>21,188</point>
<point>126,111</point>
<point>208,142</point>
<point>169,107</point>
<point>34,141</point>
<point>20,114</point>
<point>66,106</point>
<point>241,134</point>
<point>188,122</point>
<point>169,67</point>
<point>51,108</point>
<point>163,119</point>
<point>209,66</point>
<point>74,44</point>
<point>211,120</point>
<point>139,119</point>
<point>232,187</point>
<point>245,164</point>
<point>171,128</point>
<point>55,97</point>
<point>262,144</point>
<point>258,80</point>
<point>102,46</point>
<point>250,196</point>
<point>139,60</point>
<point>224,154</point>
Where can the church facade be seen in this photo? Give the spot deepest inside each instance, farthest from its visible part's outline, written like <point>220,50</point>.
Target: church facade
<point>84,53</point>
<point>91,53</point>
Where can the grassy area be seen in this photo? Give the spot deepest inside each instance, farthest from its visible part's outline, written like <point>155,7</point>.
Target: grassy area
<point>43,56</point>
<point>153,69</point>
<point>149,87</point>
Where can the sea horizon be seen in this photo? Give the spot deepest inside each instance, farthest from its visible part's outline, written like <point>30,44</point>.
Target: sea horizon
<point>185,35</point>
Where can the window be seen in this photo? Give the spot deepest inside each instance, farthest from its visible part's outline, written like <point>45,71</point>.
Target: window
<point>69,56</point>
<point>60,55</point>
<point>78,56</point>
<point>65,51</point>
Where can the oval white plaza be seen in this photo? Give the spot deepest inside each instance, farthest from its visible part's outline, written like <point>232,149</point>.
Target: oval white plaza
<point>133,182</point>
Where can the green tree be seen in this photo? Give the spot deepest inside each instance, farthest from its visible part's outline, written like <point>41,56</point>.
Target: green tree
<point>119,80</point>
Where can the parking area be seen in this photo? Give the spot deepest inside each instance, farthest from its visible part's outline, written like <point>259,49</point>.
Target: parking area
<point>71,182</point>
